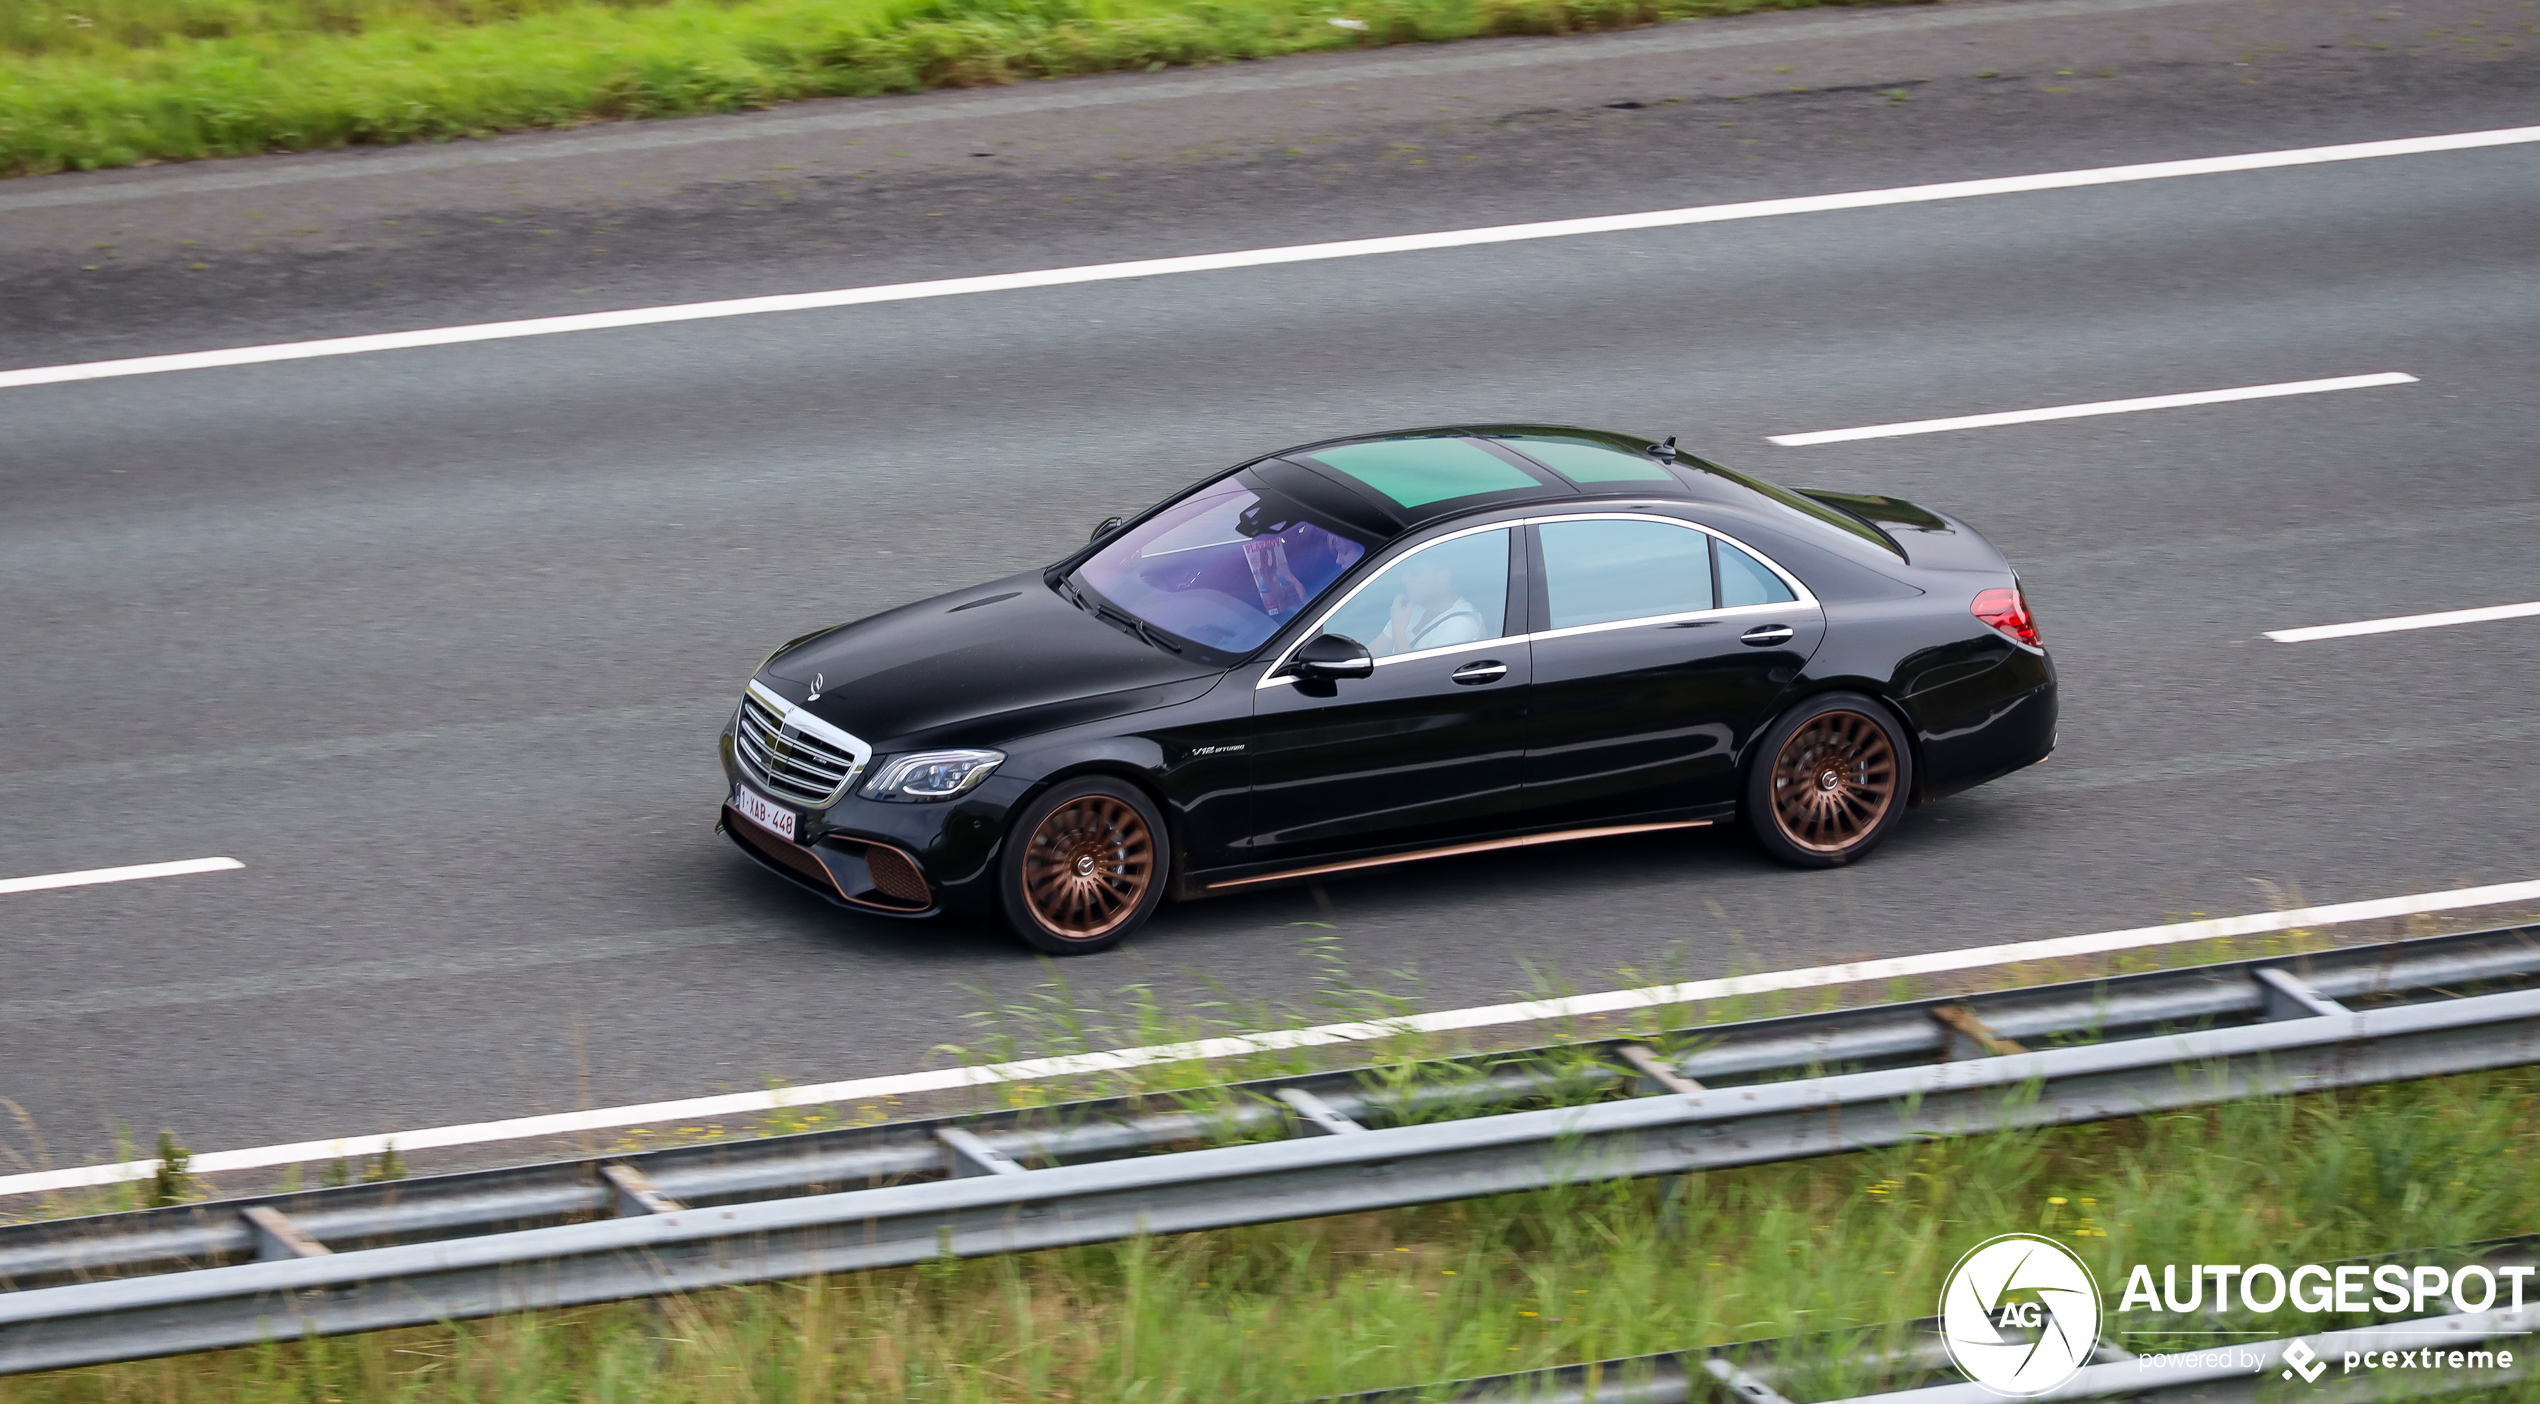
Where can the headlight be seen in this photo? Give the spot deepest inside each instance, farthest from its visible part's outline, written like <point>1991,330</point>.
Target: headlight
<point>932,775</point>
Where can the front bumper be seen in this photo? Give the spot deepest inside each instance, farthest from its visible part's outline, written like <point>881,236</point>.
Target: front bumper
<point>878,856</point>
<point>866,875</point>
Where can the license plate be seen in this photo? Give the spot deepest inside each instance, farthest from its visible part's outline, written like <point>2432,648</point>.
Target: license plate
<point>762,811</point>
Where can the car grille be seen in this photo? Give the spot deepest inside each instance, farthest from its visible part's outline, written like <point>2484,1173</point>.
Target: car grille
<point>792,756</point>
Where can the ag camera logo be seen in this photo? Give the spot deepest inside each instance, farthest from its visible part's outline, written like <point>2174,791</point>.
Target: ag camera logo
<point>2020,1314</point>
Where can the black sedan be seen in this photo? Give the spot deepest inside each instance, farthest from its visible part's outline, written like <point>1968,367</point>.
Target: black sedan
<point>1386,648</point>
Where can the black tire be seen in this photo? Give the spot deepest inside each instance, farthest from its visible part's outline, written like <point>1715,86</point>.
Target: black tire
<point>1084,866</point>
<point>1829,781</point>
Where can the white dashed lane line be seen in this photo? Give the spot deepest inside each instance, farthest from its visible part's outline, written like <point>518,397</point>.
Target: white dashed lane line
<point>93,876</point>
<point>2149,402</point>
<point>2397,623</point>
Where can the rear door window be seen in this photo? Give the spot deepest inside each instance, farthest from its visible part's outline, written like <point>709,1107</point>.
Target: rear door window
<point>1602,571</point>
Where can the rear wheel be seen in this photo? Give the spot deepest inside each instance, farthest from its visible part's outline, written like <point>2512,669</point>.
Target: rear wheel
<point>1829,781</point>
<point>1083,867</point>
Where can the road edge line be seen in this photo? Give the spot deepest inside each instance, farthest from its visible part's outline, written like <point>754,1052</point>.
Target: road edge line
<point>1321,1035</point>
<point>1257,258</point>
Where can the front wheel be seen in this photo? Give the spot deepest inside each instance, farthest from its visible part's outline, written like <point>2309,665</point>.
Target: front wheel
<point>1829,780</point>
<point>1083,867</point>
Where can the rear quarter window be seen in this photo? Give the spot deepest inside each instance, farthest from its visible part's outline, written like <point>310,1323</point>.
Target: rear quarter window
<point>1836,572</point>
<point>1745,580</point>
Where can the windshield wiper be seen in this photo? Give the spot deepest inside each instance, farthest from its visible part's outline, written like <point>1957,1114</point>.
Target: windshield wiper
<point>1117,618</point>
<point>1135,627</point>
<point>1155,636</point>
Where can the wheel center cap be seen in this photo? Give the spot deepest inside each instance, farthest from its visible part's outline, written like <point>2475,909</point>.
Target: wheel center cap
<point>1830,780</point>
<point>1084,865</point>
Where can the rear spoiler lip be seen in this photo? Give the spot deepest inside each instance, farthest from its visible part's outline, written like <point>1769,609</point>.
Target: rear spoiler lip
<point>1882,512</point>
<point>1851,504</point>
<point>1952,545</point>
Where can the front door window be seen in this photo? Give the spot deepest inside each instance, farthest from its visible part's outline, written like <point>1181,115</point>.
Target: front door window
<point>1441,596</point>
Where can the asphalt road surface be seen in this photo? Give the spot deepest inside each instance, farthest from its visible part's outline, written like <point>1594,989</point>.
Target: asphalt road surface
<point>436,642</point>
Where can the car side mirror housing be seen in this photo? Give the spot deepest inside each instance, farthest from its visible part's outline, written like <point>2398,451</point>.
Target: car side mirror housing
<point>1104,527</point>
<point>1330,658</point>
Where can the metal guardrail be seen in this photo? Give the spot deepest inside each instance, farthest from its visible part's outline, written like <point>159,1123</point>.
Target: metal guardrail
<point>440,1207</point>
<point>715,1215</point>
<point>1685,1377</point>
<point>1782,1371</point>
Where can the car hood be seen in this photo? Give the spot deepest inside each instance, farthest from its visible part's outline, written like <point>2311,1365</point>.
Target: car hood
<point>1010,652</point>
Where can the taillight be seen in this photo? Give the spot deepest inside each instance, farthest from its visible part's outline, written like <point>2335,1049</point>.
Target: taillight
<point>2007,610</point>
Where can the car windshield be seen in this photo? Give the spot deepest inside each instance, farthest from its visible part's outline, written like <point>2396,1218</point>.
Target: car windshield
<point>1222,569</point>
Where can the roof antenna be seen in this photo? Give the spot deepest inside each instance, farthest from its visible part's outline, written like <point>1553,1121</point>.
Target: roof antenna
<point>1664,453</point>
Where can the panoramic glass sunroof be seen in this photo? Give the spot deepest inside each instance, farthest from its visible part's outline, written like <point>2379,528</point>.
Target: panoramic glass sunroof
<point>1416,472</point>
<point>1584,461</point>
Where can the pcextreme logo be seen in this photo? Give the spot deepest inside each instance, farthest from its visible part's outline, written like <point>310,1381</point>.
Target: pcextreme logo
<point>2021,1314</point>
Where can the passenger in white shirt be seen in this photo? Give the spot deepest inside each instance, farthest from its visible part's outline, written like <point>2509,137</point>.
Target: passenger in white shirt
<point>1429,613</point>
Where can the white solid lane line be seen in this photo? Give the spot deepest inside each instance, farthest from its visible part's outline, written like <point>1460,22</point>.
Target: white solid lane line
<point>696,1109</point>
<point>1260,258</point>
<point>132,874</point>
<point>2149,402</point>
<point>2405,621</point>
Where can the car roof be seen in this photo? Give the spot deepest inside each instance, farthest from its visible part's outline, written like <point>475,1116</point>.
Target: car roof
<point>1410,477</point>
<point>1407,478</point>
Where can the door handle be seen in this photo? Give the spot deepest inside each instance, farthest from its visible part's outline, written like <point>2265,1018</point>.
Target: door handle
<point>1489,670</point>
<point>1767,635</point>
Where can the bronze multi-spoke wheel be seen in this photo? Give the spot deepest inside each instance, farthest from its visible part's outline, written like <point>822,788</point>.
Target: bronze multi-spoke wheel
<point>1829,781</point>
<point>1085,867</point>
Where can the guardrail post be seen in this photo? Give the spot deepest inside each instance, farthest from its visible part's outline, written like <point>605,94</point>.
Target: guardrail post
<point>636,1193</point>
<point>2287,997</point>
<point>1741,1383</point>
<point>277,1238</point>
<point>1318,1114</point>
<point>1655,1071</point>
<point>965,1155</point>
<point>1969,1038</point>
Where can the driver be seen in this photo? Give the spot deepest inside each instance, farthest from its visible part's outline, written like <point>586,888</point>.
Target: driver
<point>1429,613</point>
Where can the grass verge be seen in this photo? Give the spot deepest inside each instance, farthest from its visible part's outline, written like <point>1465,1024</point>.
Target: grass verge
<point>86,84</point>
<point>1295,1310</point>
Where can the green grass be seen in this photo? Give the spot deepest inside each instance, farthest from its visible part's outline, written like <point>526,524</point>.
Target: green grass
<point>95,83</point>
<point>1292,1311</point>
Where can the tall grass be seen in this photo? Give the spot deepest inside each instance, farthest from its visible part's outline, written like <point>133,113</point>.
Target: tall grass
<point>94,83</point>
<point>1292,1311</point>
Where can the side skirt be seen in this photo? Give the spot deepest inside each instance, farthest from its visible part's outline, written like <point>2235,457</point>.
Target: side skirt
<point>1448,851</point>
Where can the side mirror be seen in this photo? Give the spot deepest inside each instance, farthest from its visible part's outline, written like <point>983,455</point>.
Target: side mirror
<point>1329,658</point>
<point>1103,528</point>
